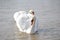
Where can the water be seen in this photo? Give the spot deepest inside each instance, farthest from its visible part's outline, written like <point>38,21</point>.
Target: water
<point>48,12</point>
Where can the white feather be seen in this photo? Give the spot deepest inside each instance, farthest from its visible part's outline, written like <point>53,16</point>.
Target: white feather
<point>23,21</point>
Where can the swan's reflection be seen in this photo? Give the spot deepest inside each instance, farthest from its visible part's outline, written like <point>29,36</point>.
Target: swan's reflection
<point>33,37</point>
<point>24,36</point>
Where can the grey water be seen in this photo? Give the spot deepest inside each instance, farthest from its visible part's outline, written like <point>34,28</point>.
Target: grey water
<point>47,12</point>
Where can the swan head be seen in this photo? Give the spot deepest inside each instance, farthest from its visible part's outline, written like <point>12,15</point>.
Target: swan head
<point>31,12</point>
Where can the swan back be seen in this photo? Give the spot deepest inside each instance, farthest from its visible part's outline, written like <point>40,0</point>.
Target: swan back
<point>17,14</point>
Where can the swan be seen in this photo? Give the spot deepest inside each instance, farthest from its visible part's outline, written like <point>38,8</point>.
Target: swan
<point>26,22</point>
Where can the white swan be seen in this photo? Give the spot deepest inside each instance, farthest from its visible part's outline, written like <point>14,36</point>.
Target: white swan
<point>24,21</point>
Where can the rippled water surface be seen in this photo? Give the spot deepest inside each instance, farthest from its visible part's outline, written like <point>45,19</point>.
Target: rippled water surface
<point>47,12</point>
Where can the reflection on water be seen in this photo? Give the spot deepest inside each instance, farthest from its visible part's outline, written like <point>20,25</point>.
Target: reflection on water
<point>24,36</point>
<point>42,34</point>
<point>48,12</point>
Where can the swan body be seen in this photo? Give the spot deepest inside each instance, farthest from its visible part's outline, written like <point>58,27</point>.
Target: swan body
<point>23,21</point>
